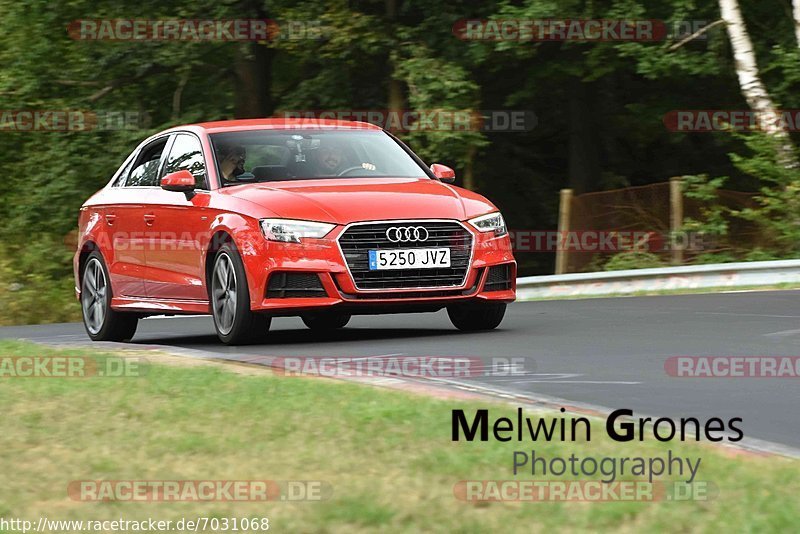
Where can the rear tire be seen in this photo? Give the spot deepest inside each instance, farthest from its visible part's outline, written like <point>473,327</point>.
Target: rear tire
<point>474,317</point>
<point>229,298</point>
<point>326,321</point>
<point>100,321</point>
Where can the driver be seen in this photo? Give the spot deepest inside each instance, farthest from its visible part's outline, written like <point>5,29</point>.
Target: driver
<point>330,160</point>
<point>231,161</point>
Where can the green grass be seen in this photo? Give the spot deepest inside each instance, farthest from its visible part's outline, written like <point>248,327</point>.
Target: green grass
<point>387,454</point>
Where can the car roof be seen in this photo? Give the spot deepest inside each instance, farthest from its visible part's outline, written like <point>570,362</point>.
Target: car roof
<point>275,124</point>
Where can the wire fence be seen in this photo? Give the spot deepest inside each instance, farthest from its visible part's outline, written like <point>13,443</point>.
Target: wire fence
<point>660,212</point>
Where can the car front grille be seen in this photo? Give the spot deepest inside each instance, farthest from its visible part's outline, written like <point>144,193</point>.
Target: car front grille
<point>359,239</point>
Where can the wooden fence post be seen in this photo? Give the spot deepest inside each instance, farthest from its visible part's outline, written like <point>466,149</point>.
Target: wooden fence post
<point>564,213</point>
<point>676,219</point>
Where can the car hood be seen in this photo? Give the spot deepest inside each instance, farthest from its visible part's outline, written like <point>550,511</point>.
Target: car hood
<point>346,200</point>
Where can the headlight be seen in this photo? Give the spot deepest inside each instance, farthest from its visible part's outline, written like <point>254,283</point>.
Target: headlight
<point>493,222</point>
<point>290,231</point>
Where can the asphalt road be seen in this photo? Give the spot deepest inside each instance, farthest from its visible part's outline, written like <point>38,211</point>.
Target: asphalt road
<point>604,352</point>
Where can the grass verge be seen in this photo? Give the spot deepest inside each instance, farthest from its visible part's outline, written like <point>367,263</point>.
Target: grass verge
<point>387,455</point>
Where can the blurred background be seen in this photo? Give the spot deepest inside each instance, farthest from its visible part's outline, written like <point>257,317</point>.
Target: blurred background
<point>602,111</point>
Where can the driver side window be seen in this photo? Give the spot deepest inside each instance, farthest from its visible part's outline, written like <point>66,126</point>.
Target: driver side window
<point>145,168</point>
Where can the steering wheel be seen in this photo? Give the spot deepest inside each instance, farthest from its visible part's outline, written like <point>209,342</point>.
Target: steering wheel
<point>356,168</point>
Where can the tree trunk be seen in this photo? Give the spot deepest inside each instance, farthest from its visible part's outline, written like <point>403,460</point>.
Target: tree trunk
<point>395,95</point>
<point>468,181</point>
<point>796,13</point>
<point>750,83</point>
<point>252,70</point>
<point>583,164</point>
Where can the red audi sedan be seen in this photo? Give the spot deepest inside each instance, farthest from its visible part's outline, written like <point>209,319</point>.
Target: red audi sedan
<point>251,219</point>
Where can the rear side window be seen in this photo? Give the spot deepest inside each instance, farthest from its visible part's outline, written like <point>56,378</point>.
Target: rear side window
<point>186,154</point>
<point>122,173</point>
<point>145,168</point>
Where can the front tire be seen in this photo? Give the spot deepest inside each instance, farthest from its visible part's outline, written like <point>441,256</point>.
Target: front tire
<point>326,321</point>
<point>474,317</point>
<point>234,321</point>
<point>100,321</point>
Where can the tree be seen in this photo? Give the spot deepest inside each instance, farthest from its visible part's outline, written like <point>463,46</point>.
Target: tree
<point>750,82</point>
<point>796,16</point>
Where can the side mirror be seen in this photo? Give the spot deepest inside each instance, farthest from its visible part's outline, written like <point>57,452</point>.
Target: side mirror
<point>180,182</point>
<point>443,173</point>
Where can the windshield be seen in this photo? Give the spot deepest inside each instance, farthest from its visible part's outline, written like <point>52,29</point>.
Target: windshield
<point>275,155</point>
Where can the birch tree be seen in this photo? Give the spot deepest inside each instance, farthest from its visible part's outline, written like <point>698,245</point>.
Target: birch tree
<point>796,16</point>
<point>750,83</point>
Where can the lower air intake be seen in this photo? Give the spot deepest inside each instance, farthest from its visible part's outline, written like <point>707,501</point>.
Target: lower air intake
<point>499,278</point>
<point>283,285</point>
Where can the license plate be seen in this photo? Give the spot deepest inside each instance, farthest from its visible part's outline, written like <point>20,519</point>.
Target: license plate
<point>416,258</point>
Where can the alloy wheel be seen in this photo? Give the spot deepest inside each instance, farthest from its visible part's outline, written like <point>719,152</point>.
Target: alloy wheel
<point>223,290</point>
<point>93,296</point>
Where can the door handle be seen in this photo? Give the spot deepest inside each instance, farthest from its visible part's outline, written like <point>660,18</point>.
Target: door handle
<point>110,218</point>
<point>149,219</point>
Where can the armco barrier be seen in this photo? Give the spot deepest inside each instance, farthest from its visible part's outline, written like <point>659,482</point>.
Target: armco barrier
<point>730,275</point>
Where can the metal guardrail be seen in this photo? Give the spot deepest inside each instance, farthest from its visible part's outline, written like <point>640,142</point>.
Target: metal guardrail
<point>732,275</point>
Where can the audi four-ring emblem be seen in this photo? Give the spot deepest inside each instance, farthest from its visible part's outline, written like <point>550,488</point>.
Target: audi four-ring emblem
<point>406,234</point>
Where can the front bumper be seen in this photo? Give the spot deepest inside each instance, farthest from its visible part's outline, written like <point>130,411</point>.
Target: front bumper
<point>324,258</point>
